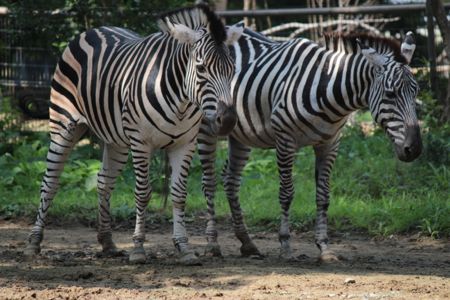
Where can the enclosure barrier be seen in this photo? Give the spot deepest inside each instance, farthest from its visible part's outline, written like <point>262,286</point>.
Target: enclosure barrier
<point>24,69</point>
<point>375,9</point>
<point>326,10</point>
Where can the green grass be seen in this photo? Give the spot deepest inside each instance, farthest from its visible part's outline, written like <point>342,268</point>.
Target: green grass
<point>370,189</point>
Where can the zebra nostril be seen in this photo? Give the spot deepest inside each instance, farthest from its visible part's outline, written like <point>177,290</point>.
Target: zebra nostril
<point>407,150</point>
<point>219,120</point>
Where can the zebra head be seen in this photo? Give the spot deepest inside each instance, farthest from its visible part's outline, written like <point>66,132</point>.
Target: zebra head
<point>392,97</point>
<point>210,67</point>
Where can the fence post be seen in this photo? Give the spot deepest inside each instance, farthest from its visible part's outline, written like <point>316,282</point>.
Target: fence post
<point>431,50</point>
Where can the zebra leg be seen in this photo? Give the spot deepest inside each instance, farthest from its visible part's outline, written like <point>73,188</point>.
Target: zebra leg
<point>114,159</point>
<point>62,140</point>
<point>180,161</point>
<point>142,195</point>
<point>207,151</point>
<point>286,149</point>
<point>238,155</point>
<point>325,157</point>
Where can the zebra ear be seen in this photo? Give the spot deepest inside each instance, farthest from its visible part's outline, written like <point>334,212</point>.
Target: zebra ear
<point>234,33</point>
<point>182,33</point>
<point>408,46</point>
<point>372,55</point>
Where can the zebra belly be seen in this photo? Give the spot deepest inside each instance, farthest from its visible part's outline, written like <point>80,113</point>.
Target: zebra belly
<point>258,135</point>
<point>262,134</point>
<point>311,132</point>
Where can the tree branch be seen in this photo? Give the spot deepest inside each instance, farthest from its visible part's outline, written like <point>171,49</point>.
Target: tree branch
<point>438,10</point>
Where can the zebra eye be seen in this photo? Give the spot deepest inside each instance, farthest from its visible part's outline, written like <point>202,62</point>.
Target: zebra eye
<point>201,68</point>
<point>390,94</point>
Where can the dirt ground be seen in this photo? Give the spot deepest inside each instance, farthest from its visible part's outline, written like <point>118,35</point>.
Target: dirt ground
<point>398,267</point>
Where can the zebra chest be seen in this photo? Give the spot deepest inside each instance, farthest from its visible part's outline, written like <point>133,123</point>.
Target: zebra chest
<point>157,131</point>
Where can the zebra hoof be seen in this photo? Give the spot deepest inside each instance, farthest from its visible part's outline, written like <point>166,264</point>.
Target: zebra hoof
<point>137,256</point>
<point>109,248</point>
<point>32,250</point>
<point>213,250</point>
<point>288,258</point>
<point>286,255</point>
<point>189,259</point>
<point>111,252</point>
<point>328,257</point>
<point>249,250</point>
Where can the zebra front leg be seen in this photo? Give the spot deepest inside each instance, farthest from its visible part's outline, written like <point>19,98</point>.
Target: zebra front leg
<point>62,140</point>
<point>207,152</point>
<point>180,161</point>
<point>142,194</point>
<point>325,158</point>
<point>286,149</point>
<point>238,155</point>
<point>114,159</point>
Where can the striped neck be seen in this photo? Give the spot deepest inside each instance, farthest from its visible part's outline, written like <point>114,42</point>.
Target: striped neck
<point>175,72</point>
<point>362,76</point>
<point>344,84</point>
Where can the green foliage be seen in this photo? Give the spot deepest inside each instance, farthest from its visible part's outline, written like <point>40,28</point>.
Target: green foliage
<point>263,166</point>
<point>64,19</point>
<point>9,124</point>
<point>430,109</point>
<point>437,146</point>
<point>371,189</point>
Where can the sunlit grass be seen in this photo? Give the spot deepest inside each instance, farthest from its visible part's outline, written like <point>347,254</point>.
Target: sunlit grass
<point>370,189</point>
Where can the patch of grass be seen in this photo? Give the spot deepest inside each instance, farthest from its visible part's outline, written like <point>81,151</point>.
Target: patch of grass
<point>370,189</point>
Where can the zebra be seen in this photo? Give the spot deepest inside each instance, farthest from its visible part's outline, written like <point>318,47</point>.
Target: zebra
<point>140,94</point>
<point>295,94</point>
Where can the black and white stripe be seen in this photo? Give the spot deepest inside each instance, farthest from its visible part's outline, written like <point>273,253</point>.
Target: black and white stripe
<point>140,94</point>
<point>295,94</point>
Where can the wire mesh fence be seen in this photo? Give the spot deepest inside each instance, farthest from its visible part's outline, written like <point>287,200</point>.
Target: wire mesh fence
<point>28,58</point>
<point>29,51</point>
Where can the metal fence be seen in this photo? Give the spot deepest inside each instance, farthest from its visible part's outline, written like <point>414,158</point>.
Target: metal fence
<point>388,20</point>
<point>26,70</point>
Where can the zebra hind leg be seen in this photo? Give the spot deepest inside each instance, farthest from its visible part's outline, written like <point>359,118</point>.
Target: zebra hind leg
<point>325,158</point>
<point>207,151</point>
<point>237,158</point>
<point>114,159</point>
<point>285,149</point>
<point>142,195</point>
<point>62,140</point>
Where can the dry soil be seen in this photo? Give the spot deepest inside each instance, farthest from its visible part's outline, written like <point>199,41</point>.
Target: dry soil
<point>69,267</point>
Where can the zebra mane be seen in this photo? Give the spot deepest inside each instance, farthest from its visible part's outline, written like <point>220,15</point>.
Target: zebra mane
<point>348,43</point>
<point>195,17</point>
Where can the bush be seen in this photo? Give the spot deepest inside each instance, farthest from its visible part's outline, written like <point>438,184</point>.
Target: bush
<point>9,125</point>
<point>436,148</point>
<point>370,189</point>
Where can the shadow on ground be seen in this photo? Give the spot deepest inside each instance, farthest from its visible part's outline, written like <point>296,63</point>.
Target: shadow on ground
<point>69,265</point>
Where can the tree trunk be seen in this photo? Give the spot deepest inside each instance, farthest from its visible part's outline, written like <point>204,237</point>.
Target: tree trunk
<point>437,7</point>
<point>220,4</point>
<point>247,4</point>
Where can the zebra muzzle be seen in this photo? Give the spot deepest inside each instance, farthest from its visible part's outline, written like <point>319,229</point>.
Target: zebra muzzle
<point>412,146</point>
<point>223,122</point>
